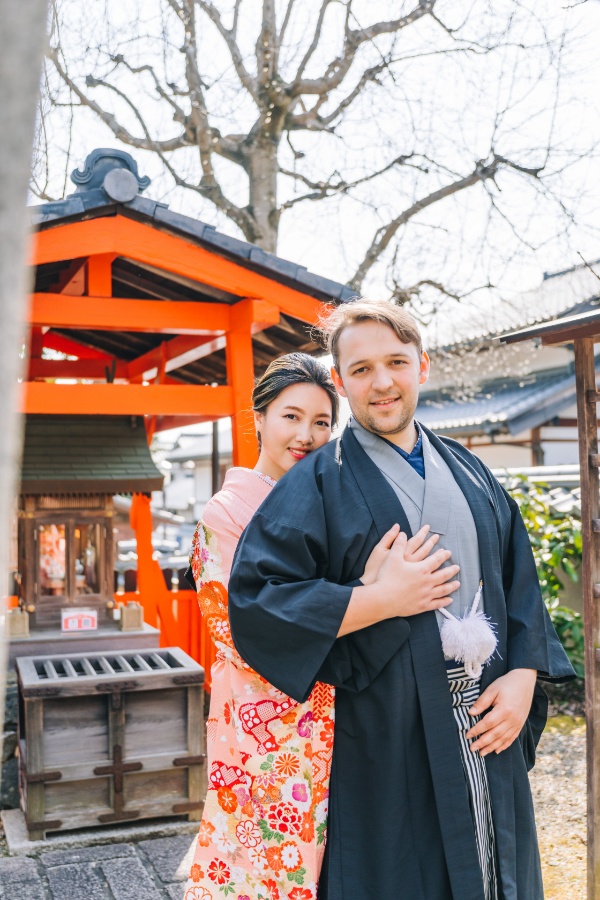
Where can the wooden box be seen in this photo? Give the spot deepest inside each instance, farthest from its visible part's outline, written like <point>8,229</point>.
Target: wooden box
<point>109,738</point>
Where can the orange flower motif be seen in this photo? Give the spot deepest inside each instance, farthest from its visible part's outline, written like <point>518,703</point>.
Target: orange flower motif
<point>204,833</point>
<point>299,893</point>
<point>227,713</point>
<point>291,858</point>
<point>319,793</point>
<point>196,872</point>
<point>290,717</point>
<point>287,764</point>
<point>307,829</point>
<point>197,893</point>
<point>274,859</point>
<point>272,889</point>
<point>248,809</point>
<point>326,734</point>
<point>227,800</point>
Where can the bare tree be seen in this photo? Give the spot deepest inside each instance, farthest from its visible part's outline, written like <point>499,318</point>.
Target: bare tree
<point>264,106</point>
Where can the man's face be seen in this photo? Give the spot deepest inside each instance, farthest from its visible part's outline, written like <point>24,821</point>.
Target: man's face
<point>380,376</point>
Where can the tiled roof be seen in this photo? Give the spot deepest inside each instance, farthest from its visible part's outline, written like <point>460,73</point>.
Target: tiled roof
<point>87,454</point>
<point>503,406</point>
<point>96,196</point>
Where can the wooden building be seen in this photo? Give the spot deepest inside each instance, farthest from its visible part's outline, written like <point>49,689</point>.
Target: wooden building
<point>140,311</point>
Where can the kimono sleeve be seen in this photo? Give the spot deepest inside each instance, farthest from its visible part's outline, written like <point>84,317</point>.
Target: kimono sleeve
<point>532,640</point>
<point>285,616</point>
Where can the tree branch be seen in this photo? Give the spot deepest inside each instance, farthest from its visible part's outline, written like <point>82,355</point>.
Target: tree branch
<point>119,131</point>
<point>286,22</point>
<point>322,189</point>
<point>483,172</point>
<point>315,40</point>
<point>229,36</point>
<point>338,69</point>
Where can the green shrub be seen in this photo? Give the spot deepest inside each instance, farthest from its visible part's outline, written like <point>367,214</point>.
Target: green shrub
<point>557,545</point>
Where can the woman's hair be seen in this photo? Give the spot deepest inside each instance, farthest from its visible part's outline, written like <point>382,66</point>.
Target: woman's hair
<point>360,310</point>
<point>293,368</point>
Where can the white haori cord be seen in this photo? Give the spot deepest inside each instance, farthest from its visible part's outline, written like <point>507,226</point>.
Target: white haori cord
<point>470,640</point>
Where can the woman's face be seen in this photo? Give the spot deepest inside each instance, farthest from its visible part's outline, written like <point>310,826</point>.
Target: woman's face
<point>295,423</point>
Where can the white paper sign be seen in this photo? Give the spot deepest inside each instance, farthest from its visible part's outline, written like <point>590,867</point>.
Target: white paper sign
<point>79,619</point>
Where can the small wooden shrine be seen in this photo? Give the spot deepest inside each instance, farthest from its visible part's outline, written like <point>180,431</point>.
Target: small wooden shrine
<point>72,467</point>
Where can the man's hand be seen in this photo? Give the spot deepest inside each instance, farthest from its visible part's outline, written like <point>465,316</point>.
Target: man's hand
<point>510,699</point>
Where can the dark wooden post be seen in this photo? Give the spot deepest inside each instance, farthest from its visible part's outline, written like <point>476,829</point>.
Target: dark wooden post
<point>215,461</point>
<point>587,398</point>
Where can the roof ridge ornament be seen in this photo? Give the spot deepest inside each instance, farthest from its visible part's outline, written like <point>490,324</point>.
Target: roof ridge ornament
<point>115,171</point>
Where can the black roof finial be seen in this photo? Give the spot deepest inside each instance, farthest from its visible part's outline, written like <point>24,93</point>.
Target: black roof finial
<point>113,170</point>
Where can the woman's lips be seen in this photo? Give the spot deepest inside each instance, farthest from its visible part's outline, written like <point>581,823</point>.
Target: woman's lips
<point>298,454</point>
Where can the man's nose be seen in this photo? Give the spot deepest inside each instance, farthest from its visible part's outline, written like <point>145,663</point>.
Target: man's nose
<point>382,379</point>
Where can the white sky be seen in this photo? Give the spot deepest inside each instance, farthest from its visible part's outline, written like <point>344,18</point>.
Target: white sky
<point>452,119</point>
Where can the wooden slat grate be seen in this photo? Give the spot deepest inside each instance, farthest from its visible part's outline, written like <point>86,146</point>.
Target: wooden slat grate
<point>93,665</point>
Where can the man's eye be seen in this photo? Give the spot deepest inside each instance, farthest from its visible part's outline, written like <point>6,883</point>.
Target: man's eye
<point>360,371</point>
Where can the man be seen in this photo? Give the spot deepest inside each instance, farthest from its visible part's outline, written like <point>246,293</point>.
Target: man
<point>429,795</point>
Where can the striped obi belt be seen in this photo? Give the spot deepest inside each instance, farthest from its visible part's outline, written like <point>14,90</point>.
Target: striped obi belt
<point>464,691</point>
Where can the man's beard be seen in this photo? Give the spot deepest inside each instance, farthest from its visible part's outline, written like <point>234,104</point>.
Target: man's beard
<point>393,427</point>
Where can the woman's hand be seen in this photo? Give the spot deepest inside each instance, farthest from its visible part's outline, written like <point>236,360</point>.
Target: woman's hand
<point>417,549</point>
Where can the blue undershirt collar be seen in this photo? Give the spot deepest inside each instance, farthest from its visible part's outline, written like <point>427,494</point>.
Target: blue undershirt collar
<point>415,457</point>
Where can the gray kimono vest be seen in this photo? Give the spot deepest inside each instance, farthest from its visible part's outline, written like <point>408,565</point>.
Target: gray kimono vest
<point>435,500</point>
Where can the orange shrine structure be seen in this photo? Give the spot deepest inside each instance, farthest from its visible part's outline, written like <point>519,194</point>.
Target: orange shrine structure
<point>151,313</point>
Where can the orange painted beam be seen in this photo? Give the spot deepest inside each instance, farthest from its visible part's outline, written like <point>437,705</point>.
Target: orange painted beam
<point>126,399</point>
<point>73,348</point>
<point>146,244</point>
<point>122,314</point>
<point>166,423</point>
<point>240,375</point>
<point>79,368</point>
<point>249,315</point>
<point>179,351</point>
<point>254,316</point>
<point>99,275</point>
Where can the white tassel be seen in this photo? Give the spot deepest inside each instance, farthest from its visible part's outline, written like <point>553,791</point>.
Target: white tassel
<point>470,640</point>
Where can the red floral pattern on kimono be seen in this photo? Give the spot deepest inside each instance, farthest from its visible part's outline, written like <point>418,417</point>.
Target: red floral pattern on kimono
<point>263,830</point>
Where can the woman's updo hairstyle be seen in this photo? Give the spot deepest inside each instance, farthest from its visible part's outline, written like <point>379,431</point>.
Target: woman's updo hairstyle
<point>293,368</point>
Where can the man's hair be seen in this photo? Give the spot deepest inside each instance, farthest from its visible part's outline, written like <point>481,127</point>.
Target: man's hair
<point>360,310</point>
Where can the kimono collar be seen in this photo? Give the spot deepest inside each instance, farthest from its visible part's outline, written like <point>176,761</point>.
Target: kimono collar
<point>431,495</point>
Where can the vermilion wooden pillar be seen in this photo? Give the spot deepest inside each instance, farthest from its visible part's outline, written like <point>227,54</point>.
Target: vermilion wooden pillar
<point>587,398</point>
<point>240,377</point>
<point>150,581</point>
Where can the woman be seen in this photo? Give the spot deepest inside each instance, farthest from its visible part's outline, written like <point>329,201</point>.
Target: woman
<point>262,835</point>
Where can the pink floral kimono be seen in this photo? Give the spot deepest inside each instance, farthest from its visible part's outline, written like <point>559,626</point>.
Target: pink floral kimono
<point>263,831</point>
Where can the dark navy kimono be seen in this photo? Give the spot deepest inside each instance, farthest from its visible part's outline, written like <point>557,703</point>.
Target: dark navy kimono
<point>399,820</point>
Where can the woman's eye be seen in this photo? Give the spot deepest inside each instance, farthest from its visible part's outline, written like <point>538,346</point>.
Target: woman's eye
<point>290,416</point>
<point>323,424</point>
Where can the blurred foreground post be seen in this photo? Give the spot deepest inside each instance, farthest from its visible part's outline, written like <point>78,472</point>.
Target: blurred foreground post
<point>22,36</point>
